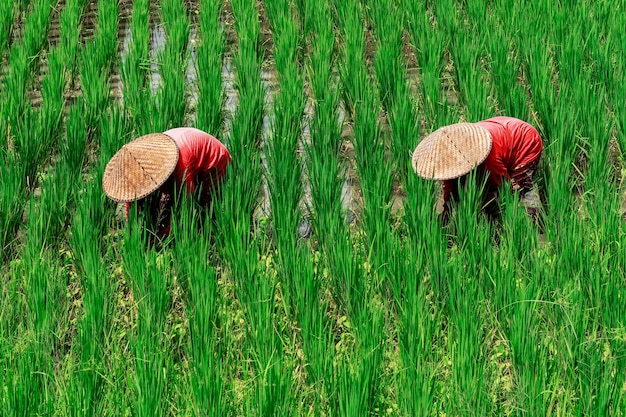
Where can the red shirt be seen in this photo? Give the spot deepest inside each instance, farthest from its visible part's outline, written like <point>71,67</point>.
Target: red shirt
<point>199,153</point>
<point>515,145</point>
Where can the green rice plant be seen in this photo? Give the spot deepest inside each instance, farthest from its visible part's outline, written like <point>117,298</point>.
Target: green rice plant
<point>51,109</point>
<point>324,168</point>
<point>90,375</point>
<point>255,287</point>
<point>7,11</point>
<point>97,61</point>
<point>115,133</point>
<point>44,287</point>
<point>580,287</point>
<point>518,298</point>
<point>21,64</point>
<point>466,46</point>
<point>48,116</point>
<point>170,99</point>
<point>361,395</point>
<point>359,383</point>
<point>389,61</point>
<point>369,144</point>
<point>285,190</point>
<point>537,48</point>
<point>105,36</point>
<point>300,284</point>
<point>325,175</point>
<point>171,103</point>
<point>353,73</point>
<point>209,66</point>
<point>87,385</point>
<point>70,22</point>
<point>430,43</point>
<point>391,74</point>
<point>42,290</point>
<point>419,302</point>
<point>30,370</point>
<point>208,348</point>
<point>13,186</point>
<point>28,142</point>
<point>505,65</point>
<point>136,67</point>
<point>150,281</point>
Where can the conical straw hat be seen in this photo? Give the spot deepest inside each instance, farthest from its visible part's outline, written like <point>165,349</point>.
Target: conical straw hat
<point>140,167</point>
<point>451,151</point>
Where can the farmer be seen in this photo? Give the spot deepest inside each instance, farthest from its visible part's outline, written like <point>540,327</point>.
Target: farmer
<point>501,147</point>
<point>165,162</point>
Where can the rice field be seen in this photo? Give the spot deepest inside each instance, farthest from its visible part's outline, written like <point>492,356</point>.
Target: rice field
<point>324,284</point>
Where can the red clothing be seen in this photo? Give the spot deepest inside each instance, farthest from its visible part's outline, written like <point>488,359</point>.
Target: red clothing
<point>202,159</point>
<point>200,154</point>
<point>516,147</point>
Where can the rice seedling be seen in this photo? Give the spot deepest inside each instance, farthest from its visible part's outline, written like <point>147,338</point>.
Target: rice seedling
<point>282,150</point>
<point>417,315</point>
<point>466,45</point>
<point>465,298</point>
<point>389,61</point>
<point>209,67</point>
<point>30,367</point>
<point>21,64</point>
<point>240,250</point>
<point>170,98</point>
<point>430,43</point>
<point>208,347</point>
<point>301,283</point>
<point>418,299</point>
<point>97,60</point>
<point>150,283</point>
<point>70,22</point>
<point>135,68</point>
<point>325,178</point>
<point>42,290</point>
<point>47,220</point>
<point>504,65</point>
<point>361,396</point>
<point>7,11</point>
<point>13,188</point>
<point>88,224</point>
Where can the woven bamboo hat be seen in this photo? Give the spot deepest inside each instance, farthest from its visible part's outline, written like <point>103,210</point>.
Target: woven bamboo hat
<point>140,167</point>
<point>451,151</point>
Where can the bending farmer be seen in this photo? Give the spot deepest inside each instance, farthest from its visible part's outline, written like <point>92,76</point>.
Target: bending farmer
<point>501,147</point>
<point>151,168</point>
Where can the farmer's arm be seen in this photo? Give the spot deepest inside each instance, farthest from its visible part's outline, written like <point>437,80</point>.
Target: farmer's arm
<point>450,192</point>
<point>522,182</point>
<point>521,179</point>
